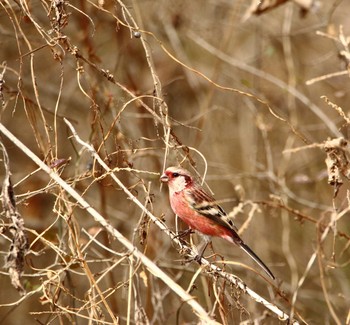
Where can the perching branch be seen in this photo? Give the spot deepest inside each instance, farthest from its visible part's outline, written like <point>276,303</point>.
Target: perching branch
<point>210,268</point>
<point>152,267</point>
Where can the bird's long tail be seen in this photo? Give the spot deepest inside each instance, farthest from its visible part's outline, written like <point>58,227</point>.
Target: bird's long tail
<point>256,259</point>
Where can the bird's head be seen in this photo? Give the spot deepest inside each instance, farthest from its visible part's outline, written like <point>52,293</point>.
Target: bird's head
<point>177,178</point>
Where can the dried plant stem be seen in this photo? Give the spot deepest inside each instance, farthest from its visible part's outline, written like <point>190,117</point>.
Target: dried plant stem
<point>265,76</point>
<point>153,268</point>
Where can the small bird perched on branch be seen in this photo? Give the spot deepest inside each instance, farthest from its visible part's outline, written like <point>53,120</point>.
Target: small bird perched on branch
<point>199,211</point>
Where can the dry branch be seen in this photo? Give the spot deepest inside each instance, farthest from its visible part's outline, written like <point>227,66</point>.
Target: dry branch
<point>153,268</point>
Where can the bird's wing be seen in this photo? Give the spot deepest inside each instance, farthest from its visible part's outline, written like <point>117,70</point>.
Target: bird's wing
<point>205,205</point>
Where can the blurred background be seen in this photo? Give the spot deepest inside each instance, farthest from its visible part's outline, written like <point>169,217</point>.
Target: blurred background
<point>230,88</point>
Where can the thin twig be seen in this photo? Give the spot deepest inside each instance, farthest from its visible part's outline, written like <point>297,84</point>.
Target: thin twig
<point>153,268</point>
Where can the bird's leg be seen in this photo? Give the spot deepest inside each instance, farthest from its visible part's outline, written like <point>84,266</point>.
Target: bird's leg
<point>184,233</point>
<point>201,248</point>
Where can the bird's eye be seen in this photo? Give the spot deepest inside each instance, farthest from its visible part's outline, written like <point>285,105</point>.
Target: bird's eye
<point>176,174</point>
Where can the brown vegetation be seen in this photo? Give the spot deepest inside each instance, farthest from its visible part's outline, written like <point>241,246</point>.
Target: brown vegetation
<point>98,97</point>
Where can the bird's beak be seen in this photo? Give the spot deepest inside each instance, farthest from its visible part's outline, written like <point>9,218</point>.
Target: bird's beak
<point>164,178</point>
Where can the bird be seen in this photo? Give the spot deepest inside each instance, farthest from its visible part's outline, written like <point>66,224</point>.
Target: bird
<point>200,212</point>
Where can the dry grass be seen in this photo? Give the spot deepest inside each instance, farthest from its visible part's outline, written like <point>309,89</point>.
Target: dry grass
<point>98,97</point>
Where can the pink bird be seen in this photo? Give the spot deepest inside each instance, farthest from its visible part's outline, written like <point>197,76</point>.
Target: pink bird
<point>200,212</point>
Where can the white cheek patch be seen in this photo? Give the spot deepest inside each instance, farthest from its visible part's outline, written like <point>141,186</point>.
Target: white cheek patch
<point>179,184</point>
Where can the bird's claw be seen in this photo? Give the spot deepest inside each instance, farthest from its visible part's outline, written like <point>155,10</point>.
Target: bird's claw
<point>184,233</point>
<point>197,258</point>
